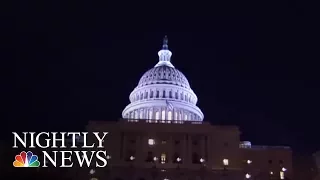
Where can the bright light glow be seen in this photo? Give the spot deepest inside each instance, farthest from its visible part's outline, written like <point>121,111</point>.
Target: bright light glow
<point>169,115</point>
<point>284,169</point>
<point>108,157</point>
<point>155,158</point>
<point>281,175</point>
<point>248,176</point>
<point>151,142</point>
<point>163,115</point>
<point>201,160</point>
<point>132,158</point>
<point>165,179</point>
<point>94,179</point>
<point>179,159</point>
<point>225,162</point>
<point>157,116</point>
<point>271,172</point>
<point>185,117</point>
<point>249,161</point>
<point>92,171</point>
<point>176,116</point>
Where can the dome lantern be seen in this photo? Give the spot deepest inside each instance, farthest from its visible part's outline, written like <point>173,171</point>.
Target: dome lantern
<point>164,54</point>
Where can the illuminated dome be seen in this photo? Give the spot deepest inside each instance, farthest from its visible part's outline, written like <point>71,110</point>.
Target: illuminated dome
<point>163,93</point>
<point>164,75</point>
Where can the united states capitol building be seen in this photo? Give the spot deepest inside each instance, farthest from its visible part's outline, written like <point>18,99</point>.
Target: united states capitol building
<point>163,136</point>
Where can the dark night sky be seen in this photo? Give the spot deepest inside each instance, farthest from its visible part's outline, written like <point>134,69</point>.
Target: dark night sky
<point>251,64</point>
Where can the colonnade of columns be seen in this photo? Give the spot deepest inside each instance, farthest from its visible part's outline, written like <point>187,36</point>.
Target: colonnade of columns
<point>162,114</point>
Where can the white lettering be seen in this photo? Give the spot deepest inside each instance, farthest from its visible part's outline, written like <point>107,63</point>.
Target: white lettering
<point>53,161</point>
<point>84,157</point>
<point>23,142</point>
<point>104,160</point>
<point>74,138</point>
<point>63,158</point>
<point>31,139</point>
<point>54,140</point>
<point>85,141</point>
<point>47,140</point>
<point>100,139</point>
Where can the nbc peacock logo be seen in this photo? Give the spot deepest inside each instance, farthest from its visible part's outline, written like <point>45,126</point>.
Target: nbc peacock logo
<point>26,160</point>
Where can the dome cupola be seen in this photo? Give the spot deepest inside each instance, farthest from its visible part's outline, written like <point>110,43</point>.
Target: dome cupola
<point>163,93</point>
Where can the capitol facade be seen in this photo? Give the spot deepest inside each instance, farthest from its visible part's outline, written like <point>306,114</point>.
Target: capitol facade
<point>163,136</point>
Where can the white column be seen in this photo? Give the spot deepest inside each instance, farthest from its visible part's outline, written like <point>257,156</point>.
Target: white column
<point>185,115</point>
<point>151,114</point>
<point>141,114</point>
<point>163,114</point>
<point>157,114</point>
<point>170,115</point>
<point>175,114</point>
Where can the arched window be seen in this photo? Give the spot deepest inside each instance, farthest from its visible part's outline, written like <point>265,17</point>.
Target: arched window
<point>136,115</point>
<point>176,95</point>
<point>164,94</point>
<point>169,115</point>
<point>151,94</point>
<point>180,116</point>
<point>157,115</point>
<point>175,115</point>
<point>181,96</point>
<point>185,116</point>
<point>157,95</point>
<point>170,94</point>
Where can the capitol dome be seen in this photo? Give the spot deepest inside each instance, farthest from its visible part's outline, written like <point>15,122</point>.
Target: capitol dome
<point>163,93</point>
<point>164,75</point>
